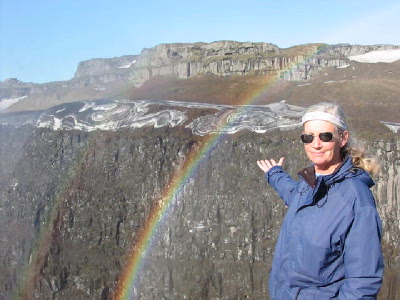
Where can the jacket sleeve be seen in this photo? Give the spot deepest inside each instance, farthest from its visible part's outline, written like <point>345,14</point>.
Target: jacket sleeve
<point>363,260</point>
<point>282,183</point>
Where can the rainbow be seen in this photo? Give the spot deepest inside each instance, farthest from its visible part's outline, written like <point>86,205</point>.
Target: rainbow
<point>147,235</point>
<point>43,241</point>
<point>136,260</point>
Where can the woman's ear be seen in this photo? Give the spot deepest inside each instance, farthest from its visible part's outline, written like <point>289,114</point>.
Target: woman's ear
<point>344,138</point>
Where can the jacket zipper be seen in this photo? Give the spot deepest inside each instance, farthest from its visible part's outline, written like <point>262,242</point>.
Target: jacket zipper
<point>297,294</point>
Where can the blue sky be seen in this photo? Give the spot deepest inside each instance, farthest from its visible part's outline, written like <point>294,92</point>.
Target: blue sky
<point>44,40</point>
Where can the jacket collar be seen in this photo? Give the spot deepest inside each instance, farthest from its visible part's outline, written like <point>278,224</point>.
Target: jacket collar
<point>345,170</point>
<point>308,174</point>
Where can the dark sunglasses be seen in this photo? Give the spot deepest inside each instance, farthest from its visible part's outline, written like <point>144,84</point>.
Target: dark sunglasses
<point>307,138</point>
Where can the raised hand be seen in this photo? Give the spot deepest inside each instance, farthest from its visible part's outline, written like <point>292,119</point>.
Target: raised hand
<point>267,164</point>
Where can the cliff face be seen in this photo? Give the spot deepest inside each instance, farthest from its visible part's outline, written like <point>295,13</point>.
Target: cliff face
<point>226,58</point>
<point>99,66</point>
<point>103,78</point>
<point>223,58</point>
<point>75,202</point>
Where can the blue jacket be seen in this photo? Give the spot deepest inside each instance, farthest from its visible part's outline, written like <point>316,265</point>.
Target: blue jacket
<point>329,244</point>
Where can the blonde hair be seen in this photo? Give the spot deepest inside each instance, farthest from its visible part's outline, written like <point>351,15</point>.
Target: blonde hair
<point>360,160</point>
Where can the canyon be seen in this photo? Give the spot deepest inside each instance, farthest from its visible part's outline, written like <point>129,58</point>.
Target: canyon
<point>80,182</point>
<point>138,176</point>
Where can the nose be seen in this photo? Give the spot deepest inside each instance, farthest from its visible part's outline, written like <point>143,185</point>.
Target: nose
<point>316,143</point>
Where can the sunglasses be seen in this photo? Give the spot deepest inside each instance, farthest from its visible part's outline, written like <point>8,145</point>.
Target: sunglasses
<point>307,138</point>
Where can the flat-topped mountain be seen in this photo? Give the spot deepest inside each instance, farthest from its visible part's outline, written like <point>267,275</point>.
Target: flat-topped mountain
<point>226,72</point>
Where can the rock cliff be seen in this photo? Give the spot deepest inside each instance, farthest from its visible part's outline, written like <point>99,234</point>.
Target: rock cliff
<point>100,66</point>
<point>93,75</point>
<point>226,58</point>
<point>79,183</point>
<point>102,78</point>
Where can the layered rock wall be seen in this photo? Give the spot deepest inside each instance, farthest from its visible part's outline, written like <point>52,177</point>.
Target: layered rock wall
<point>98,66</point>
<point>74,203</point>
<point>387,192</point>
<point>184,60</point>
<point>352,50</point>
<point>226,58</point>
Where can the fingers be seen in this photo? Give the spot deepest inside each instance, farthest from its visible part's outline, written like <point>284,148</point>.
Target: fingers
<point>266,164</point>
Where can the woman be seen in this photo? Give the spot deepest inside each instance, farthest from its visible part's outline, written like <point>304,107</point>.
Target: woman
<point>329,243</point>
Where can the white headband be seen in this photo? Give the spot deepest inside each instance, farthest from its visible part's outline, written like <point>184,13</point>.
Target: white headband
<point>319,115</point>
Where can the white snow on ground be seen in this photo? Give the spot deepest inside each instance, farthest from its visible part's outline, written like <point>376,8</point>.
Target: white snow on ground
<point>61,110</point>
<point>128,65</point>
<point>5,103</point>
<point>119,114</point>
<point>343,67</point>
<point>395,127</point>
<point>386,56</point>
<point>87,106</point>
<point>227,119</point>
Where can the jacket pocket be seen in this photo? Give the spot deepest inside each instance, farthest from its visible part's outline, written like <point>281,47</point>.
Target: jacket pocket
<point>318,264</point>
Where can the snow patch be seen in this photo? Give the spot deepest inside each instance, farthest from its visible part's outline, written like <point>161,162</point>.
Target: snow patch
<point>256,118</point>
<point>128,65</point>
<point>105,107</point>
<point>343,67</point>
<point>60,110</point>
<point>395,127</point>
<point>110,116</point>
<point>385,56</point>
<point>118,114</point>
<point>87,106</point>
<point>5,103</point>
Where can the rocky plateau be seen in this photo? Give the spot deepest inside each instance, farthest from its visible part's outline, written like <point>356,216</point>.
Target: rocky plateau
<point>86,164</point>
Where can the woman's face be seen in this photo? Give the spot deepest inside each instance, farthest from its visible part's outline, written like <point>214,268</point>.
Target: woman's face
<point>325,155</point>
